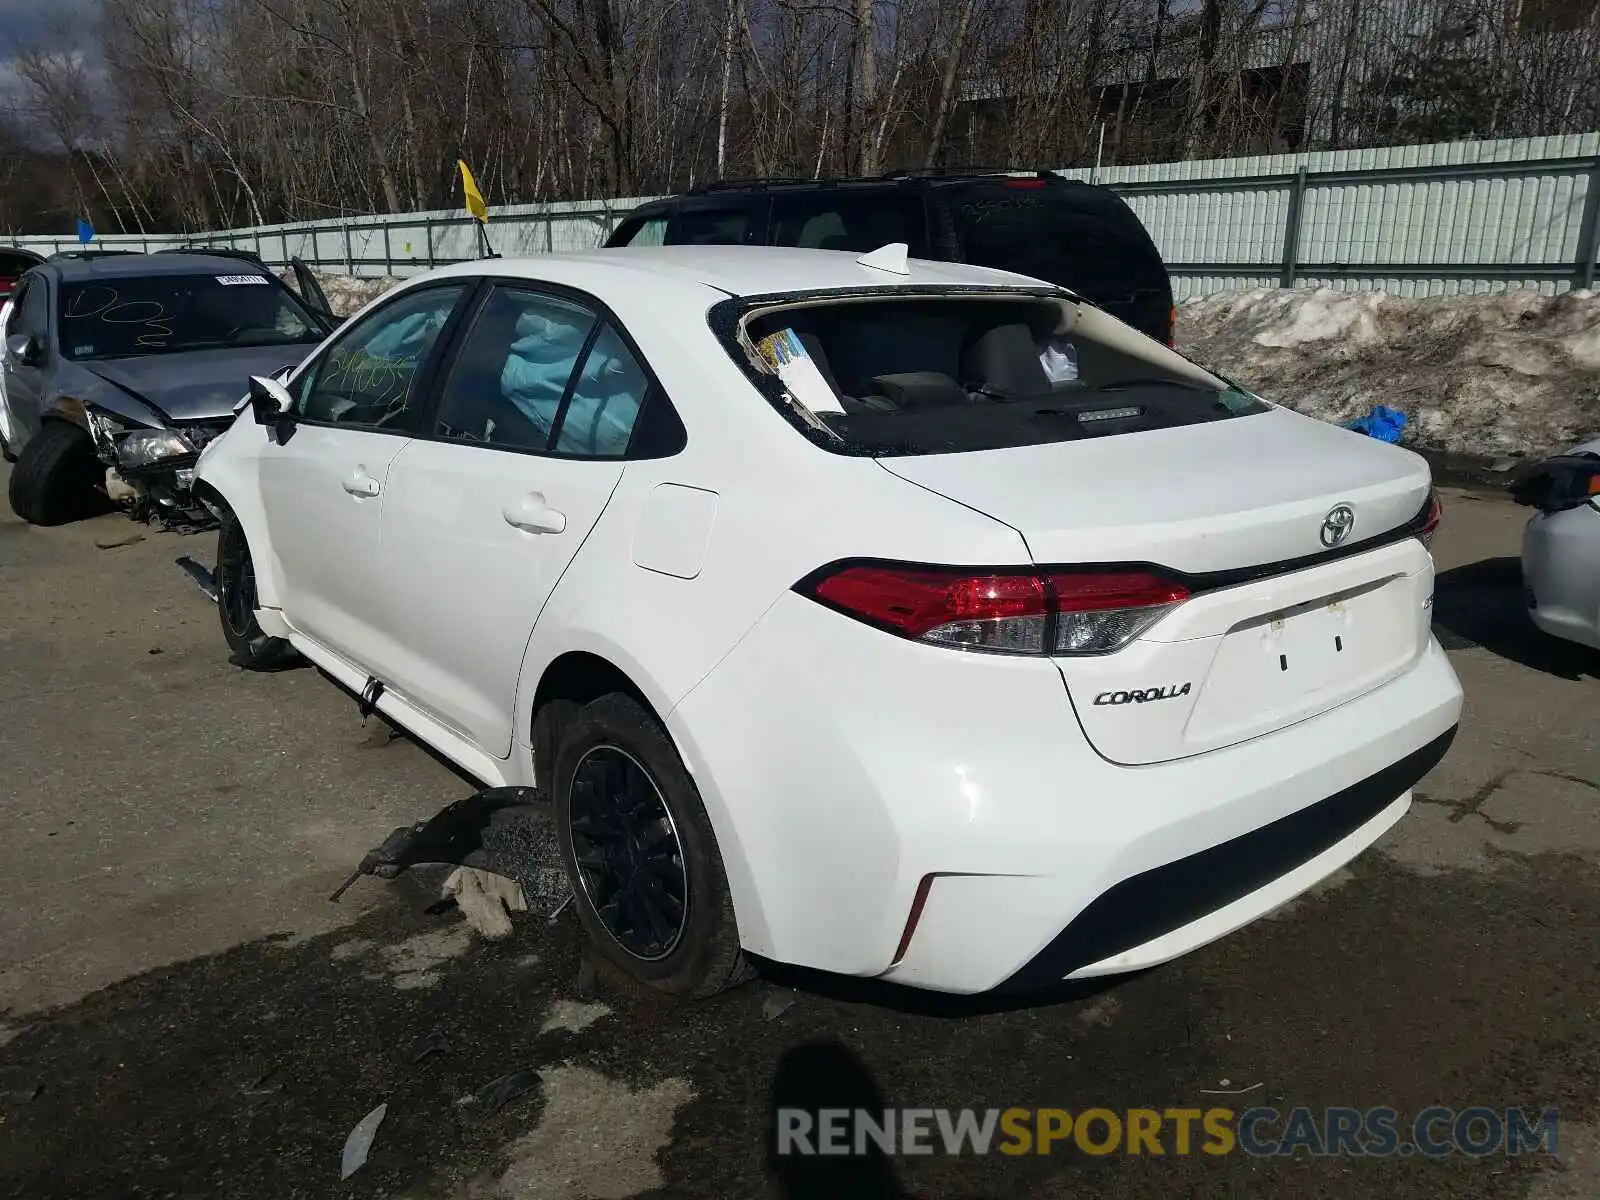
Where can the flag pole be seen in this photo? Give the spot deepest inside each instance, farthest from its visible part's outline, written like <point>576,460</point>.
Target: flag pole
<point>476,206</point>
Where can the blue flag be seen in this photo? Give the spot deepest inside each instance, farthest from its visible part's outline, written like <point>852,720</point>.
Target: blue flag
<point>85,231</point>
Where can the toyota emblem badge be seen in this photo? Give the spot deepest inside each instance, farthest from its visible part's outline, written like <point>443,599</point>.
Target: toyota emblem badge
<point>1336,526</point>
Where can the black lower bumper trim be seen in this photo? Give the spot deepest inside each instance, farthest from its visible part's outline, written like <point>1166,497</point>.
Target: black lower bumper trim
<point>1168,897</point>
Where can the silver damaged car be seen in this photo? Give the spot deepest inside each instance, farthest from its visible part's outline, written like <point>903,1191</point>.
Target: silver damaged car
<point>118,369</point>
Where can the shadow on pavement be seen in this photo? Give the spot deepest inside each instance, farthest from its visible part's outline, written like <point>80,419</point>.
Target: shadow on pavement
<point>239,1075</point>
<point>1480,604</point>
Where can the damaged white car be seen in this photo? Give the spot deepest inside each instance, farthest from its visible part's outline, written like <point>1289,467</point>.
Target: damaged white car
<point>117,370</point>
<point>899,619</point>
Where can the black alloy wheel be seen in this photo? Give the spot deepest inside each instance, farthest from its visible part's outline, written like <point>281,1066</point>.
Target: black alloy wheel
<point>625,845</point>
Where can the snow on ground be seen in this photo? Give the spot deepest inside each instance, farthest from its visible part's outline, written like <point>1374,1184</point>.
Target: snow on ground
<point>1507,373</point>
<point>346,293</point>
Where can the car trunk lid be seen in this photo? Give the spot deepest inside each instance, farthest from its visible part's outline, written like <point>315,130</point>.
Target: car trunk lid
<point>1281,528</point>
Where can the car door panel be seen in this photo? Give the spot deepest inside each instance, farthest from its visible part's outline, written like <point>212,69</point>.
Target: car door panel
<point>324,474</point>
<point>474,542</point>
<point>322,492</point>
<point>23,386</point>
<point>536,414</point>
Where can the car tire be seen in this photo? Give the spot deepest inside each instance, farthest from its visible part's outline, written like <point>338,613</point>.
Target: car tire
<point>57,477</point>
<point>235,580</point>
<point>651,891</point>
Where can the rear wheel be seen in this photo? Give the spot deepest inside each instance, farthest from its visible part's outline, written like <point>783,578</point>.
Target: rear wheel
<point>236,602</point>
<point>647,877</point>
<point>57,477</point>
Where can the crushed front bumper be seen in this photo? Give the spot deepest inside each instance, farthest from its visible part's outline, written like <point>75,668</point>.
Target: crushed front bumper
<point>150,470</point>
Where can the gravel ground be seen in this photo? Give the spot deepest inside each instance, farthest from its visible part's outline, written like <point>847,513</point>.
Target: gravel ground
<point>183,1013</point>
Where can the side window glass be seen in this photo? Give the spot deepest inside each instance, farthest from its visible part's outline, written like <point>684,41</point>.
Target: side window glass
<point>368,377</point>
<point>514,367</point>
<point>707,227</point>
<point>651,233</point>
<point>33,315</point>
<point>606,399</point>
<point>856,222</point>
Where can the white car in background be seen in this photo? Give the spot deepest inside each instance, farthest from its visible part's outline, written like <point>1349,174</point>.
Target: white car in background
<point>1561,544</point>
<point>837,630</point>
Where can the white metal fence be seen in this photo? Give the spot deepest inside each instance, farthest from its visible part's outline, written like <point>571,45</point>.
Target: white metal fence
<point>1417,220</point>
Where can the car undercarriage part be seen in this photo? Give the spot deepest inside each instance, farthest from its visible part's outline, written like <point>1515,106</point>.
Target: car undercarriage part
<point>507,831</point>
<point>202,575</point>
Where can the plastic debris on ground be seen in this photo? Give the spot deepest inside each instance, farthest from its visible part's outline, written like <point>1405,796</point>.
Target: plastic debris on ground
<point>1384,423</point>
<point>359,1143</point>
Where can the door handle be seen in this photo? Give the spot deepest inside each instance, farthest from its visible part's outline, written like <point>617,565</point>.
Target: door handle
<point>359,483</point>
<point>532,514</point>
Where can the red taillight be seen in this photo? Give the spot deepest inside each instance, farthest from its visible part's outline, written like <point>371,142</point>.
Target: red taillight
<point>1004,612</point>
<point>1430,523</point>
<point>1025,183</point>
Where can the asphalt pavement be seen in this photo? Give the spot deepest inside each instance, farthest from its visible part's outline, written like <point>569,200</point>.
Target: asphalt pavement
<point>183,1012</point>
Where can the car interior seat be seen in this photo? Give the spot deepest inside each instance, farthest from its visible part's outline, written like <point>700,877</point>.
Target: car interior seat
<point>1005,359</point>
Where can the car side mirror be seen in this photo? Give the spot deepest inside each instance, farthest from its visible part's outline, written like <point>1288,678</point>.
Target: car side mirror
<point>26,349</point>
<point>269,400</point>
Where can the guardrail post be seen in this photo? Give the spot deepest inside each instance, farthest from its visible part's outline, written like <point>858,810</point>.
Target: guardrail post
<point>388,259</point>
<point>285,236</point>
<point>1291,229</point>
<point>427,233</point>
<point>1588,231</point>
<point>349,259</point>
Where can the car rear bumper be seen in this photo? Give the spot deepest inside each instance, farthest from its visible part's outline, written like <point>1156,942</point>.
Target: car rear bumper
<point>848,773</point>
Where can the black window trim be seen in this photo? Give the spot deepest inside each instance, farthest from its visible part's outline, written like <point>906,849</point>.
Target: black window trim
<point>454,337</point>
<point>422,382</point>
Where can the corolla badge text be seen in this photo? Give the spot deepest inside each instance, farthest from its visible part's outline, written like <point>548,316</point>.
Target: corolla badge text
<point>1144,695</point>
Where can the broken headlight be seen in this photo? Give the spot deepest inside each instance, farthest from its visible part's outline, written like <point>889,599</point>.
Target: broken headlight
<point>146,447</point>
<point>104,430</point>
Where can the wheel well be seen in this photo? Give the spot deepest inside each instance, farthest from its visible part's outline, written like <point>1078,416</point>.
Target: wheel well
<point>568,683</point>
<point>203,491</point>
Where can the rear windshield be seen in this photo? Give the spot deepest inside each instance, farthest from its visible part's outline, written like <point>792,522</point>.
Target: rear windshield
<point>1079,237</point>
<point>941,374</point>
<point>169,314</point>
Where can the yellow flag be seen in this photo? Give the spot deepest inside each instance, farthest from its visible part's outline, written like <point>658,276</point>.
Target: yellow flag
<point>469,186</point>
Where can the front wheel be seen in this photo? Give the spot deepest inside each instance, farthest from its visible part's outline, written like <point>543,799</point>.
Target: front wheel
<point>236,602</point>
<point>647,877</point>
<point>57,478</point>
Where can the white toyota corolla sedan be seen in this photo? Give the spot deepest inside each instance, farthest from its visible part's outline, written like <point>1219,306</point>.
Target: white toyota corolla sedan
<point>900,619</point>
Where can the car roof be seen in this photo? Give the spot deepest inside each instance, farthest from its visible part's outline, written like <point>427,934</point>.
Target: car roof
<point>738,271</point>
<point>140,266</point>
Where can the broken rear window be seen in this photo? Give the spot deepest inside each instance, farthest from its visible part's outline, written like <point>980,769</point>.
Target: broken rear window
<point>905,373</point>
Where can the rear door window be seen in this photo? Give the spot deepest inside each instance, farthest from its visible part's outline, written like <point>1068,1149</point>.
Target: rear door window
<point>837,219</point>
<point>550,374</point>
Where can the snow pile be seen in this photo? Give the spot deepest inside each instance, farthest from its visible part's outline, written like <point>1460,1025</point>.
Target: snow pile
<point>1506,373</point>
<point>346,293</point>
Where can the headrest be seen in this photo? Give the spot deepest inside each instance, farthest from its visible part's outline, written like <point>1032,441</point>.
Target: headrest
<point>1007,360</point>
